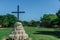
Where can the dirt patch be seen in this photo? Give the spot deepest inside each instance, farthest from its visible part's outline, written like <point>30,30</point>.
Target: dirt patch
<point>4,38</point>
<point>30,38</point>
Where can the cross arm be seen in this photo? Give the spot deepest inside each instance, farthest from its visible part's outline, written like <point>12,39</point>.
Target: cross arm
<point>18,12</point>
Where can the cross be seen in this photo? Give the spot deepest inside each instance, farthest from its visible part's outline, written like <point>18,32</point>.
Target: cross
<point>18,12</point>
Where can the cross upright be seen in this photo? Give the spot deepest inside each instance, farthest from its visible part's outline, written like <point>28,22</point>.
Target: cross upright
<point>18,12</point>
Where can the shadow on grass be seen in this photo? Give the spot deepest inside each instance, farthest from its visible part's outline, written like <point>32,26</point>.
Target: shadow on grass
<point>53,33</point>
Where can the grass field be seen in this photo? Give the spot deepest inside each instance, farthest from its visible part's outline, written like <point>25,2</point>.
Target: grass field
<point>35,33</point>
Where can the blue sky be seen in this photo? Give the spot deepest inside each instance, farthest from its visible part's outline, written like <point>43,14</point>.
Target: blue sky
<point>34,9</point>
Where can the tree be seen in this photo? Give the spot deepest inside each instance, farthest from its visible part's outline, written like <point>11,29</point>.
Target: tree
<point>47,19</point>
<point>1,19</point>
<point>25,23</point>
<point>58,15</point>
<point>11,19</point>
<point>34,23</point>
<point>7,20</point>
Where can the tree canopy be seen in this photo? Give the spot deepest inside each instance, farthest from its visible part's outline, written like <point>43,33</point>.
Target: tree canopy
<point>47,19</point>
<point>7,20</point>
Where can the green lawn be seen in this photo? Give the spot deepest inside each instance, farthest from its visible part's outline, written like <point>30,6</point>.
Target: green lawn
<point>35,33</point>
<point>4,32</point>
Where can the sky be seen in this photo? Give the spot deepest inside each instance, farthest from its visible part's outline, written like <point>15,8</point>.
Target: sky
<point>34,9</point>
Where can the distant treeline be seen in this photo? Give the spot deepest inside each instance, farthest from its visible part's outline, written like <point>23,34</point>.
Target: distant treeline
<point>48,20</point>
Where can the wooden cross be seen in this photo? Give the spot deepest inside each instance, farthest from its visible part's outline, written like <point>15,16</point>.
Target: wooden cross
<point>18,12</point>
